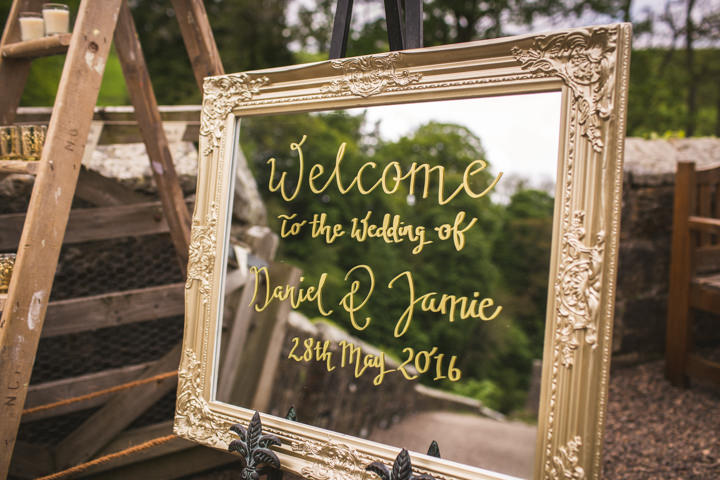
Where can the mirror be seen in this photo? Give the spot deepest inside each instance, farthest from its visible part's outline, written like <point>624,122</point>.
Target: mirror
<point>417,317</point>
<point>421,255</point>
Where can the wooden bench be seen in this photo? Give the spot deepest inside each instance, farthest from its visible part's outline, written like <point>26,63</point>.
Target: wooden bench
<point>694,269</point>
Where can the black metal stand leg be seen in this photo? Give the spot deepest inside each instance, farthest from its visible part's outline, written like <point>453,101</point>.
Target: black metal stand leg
<point>341,29</point>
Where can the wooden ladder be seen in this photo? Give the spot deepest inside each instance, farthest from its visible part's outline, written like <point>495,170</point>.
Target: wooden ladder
<point>98,23</point>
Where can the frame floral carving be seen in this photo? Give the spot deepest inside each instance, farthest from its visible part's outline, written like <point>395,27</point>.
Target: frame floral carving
<point>590,66</point>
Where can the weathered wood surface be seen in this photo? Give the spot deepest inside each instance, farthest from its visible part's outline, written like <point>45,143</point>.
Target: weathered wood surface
<point>694,244</point>
<point>113,309</point>
<point>198,38</point>
<point>171,466</point>
<point>31,461</point>
<point>49,207</point>
<point>143,99</point>
<point>102,223</point>
<point>57,390</point>
<point>105,192</point>
<point>263,342</point>
<point>18,166</point>
<point>39,47</point>
<point>678,333</point>
<point>116,415</point>
<point>137,436</point>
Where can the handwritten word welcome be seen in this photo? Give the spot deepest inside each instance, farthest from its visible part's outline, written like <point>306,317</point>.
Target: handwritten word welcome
<point>389,180</point>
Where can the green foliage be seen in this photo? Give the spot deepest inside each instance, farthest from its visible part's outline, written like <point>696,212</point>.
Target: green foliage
<point>659,82</point>
<point>45,76</point>
<point>495,354</point>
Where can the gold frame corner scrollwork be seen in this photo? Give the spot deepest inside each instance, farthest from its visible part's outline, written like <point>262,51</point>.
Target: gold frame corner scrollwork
<point>590,67</point>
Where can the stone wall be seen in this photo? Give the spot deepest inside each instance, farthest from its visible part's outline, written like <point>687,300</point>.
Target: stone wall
<point>645,235</point>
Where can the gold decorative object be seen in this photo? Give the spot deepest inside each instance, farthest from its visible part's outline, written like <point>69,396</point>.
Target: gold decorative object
<point>10,144</point>
<point>22,142</point>
<point>7,262</point>
<point>32,139</point>
<point>590,68</point>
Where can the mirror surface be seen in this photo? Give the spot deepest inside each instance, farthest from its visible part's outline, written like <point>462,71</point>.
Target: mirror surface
<point>407,294</point>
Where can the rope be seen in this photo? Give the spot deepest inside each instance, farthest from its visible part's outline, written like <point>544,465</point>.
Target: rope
<point>99,393</point>
<point>107,458</point>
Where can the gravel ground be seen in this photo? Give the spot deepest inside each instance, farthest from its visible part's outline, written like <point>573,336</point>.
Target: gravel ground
<point>653,431</point>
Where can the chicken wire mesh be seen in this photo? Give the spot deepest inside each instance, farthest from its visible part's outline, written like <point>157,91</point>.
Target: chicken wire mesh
<point>95,268</point>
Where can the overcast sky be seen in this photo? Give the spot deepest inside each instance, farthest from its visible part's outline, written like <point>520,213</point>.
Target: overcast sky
<point>520,133</point>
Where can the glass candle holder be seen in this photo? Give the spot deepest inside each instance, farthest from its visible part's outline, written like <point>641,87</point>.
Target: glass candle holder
<point>7,262</point>
<point>57,18</point>
<point>31,26</point>
<point>10,145</point>
<point>32,139</point>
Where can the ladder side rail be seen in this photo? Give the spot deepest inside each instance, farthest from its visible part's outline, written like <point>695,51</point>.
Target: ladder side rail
<point>199,39</point>
<point>49,209</point>
<point>150,123</point>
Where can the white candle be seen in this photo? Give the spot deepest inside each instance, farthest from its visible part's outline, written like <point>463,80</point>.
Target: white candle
<point>31,26</point>
<point>57,18</point>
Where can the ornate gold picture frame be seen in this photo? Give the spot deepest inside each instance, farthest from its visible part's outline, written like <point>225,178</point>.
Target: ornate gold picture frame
<point>590,67</point>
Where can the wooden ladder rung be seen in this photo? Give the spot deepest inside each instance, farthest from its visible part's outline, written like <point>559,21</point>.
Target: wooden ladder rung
<point>18,166</point>
<point>41,47</point>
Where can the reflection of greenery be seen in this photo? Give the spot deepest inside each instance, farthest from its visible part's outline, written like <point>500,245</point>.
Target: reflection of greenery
<point>505,256</point>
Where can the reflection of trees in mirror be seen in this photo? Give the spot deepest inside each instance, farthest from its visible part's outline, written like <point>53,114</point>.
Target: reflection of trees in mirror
<point>505,257</point>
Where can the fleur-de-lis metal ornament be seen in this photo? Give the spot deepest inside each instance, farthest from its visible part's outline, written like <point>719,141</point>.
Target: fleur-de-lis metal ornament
<point>434,449</point>
<point>401,470</point>
<point>254,449</point>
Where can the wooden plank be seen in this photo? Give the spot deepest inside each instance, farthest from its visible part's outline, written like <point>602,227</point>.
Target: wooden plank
<point>263,243</point>
<point>705,224</point>
<point>707,259</point>
<point>709,174</point>
<point>233,347</point>
<point>31,461</point>
<point>49,209</point>
<point>13,71</point>
<point>138,436</point>
<point>198,38</point>
<point>105,192</point>
<point>39,47</point>
<point>129,132</point>
<point>102,223</point>
<point>704,205</point>
<point>705,297</point>
<point>143,99</point>
<point>699,367</point>
<point>18,166</point>
<point>679,315</point>
<point>3,299</point>
<point>261,350</point>
<point>50,392</point>
<point>115,115</point>
<point>113,309</point>
<point>116,415</point>
<point>168,467</point>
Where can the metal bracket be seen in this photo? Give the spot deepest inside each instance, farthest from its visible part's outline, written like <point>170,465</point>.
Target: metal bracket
<point>401,35</point>
<point>254,449</point>
<point>401,469</point>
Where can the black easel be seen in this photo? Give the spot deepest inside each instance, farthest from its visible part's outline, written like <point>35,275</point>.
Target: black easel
<point>401,35</point>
